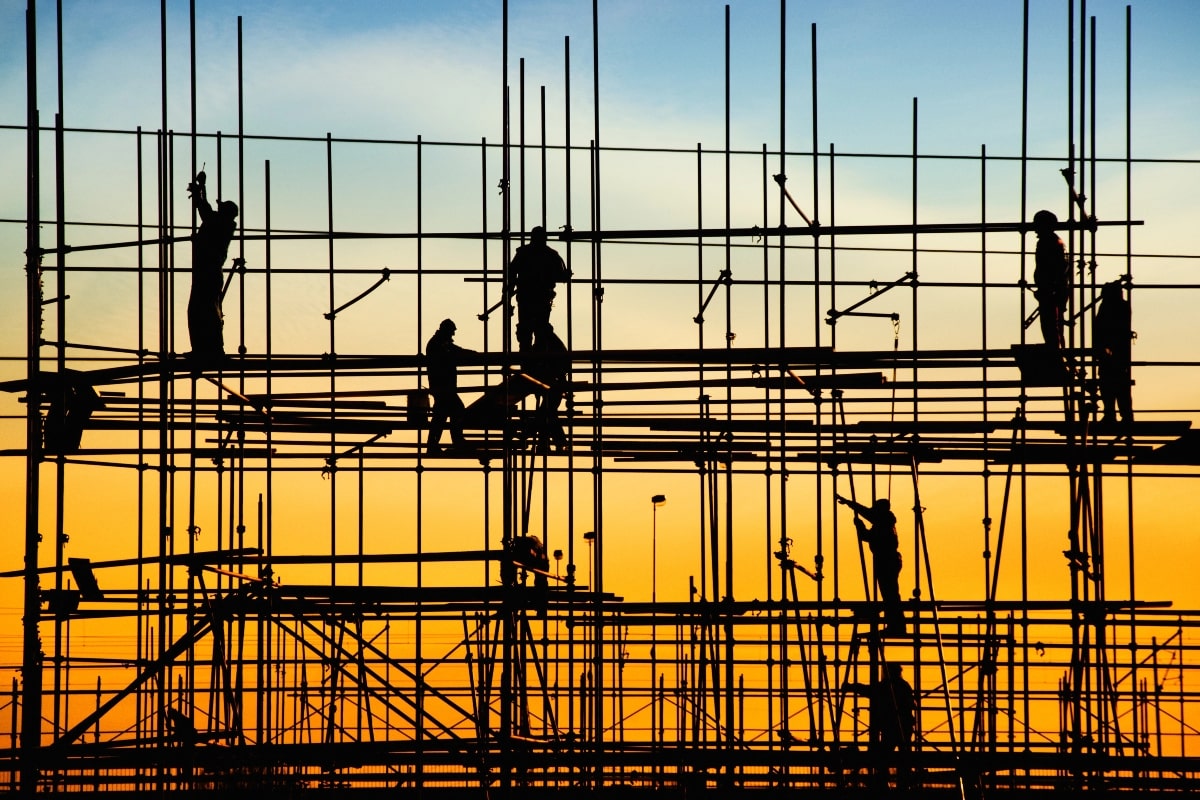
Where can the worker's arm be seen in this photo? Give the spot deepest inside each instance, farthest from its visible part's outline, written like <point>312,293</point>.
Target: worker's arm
<point>858,508</point>
<point>199,193</point>
<point>204,208</point>
<point>864,533</point>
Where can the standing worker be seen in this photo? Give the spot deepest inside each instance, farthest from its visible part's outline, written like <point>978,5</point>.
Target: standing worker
<point>442,356</point>
<point>1052,277</point>
<point>885,555</point>
<point>1112,339</point>
<point>210,246</point>
<point>892,708</point>
<point>533,272</point>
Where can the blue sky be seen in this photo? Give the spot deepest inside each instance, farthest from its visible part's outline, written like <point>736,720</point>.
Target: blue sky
<point>309,66</point>
<point>402,70</point>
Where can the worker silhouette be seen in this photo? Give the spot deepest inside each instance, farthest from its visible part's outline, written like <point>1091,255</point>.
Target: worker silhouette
<point>527,554</point>
<point>210,246</point>
<point>892,708</point>
<point>442,357</point>
<point>881,537</point>
<point>1112,339</point>
<point>1051,277</point>
<point>181,727</point>
<point>73,401</point>
<point>550,365</point>
<point>533,273</point>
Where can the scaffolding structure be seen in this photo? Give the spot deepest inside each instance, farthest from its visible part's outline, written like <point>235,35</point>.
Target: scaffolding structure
<point>236,660</point>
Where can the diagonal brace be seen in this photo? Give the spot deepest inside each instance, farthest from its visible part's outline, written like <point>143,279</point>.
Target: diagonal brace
<point>780,178</point>
<point>387,274</point>
<point>833,313</point>
<point>724,279</point>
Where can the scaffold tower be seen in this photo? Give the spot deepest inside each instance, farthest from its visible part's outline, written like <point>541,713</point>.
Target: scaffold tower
<point>638,565</point>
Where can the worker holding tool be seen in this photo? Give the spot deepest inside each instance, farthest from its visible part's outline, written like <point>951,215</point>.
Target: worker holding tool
<point>210,246</point>
<point>886,560</point>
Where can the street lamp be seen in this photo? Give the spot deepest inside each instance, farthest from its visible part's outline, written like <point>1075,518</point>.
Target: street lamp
<point>590,538</point>
<point>655,712</point>
<point>655,502</point>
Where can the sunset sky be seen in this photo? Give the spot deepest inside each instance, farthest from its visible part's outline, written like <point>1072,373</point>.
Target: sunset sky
<point>396,71</point>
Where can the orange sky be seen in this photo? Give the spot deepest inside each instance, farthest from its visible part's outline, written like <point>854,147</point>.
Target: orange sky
<point>652,293</point>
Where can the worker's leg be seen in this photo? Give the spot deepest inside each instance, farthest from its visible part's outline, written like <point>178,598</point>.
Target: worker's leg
<point>454,412</point>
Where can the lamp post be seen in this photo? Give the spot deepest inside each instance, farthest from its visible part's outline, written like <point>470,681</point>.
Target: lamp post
<point>655,501</point>
<point>590,538</point>
<point>590,647</point>
<point>558,555</point>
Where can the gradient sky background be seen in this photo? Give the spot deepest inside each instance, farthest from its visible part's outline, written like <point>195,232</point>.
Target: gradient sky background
<point>379,70</point>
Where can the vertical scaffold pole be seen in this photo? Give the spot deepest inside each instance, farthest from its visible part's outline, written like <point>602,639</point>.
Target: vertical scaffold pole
<point>784,683</point>
<point>567,206</point>
<point>418,622</point>
<point>1024,199</point>
<point>597,345</point>
<point>165,389</point>
<point>1074,719</point>
<point>818,732</point>
<point>1133,641</point>
<point>31,661</point>
<point>507,483</point>
<point>768,504</point>
<point>730,730</point>
<point>62,703</point>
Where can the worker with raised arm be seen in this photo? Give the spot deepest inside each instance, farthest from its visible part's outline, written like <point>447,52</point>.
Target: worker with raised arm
<point>880,535</point>
<point>210,246</point>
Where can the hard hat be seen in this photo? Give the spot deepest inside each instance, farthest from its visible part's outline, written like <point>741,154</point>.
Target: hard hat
<point>1044,219</point>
